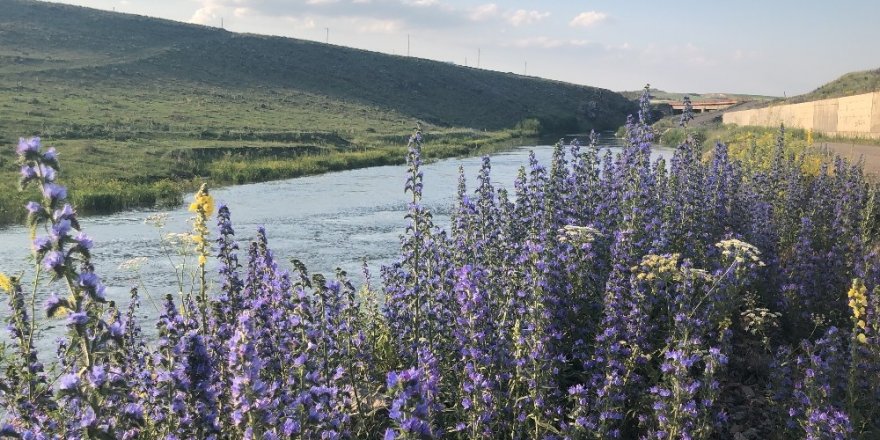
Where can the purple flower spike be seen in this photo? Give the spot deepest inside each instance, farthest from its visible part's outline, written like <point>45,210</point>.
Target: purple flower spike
<point>48,173</point>
<point>89,280</point>
<point>54,192</point>
<point>98,376</point>
<point>28,145</point>
<point>52,305</point>
<point>84,240</point>
<point>33,207</point>
<point>28,172</point>
<point>77,318</point>
<point>50,155</point>
<point>68,382</point>
<point>60,230</point>
<point>88,417</point>
<point>65,213</point>
<point>41,244</point>
<point>53,260</point>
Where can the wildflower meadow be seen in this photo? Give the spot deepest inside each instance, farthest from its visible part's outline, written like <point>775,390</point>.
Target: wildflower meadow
<point>604,296</point>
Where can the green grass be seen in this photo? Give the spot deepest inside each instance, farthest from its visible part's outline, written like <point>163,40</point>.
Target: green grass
<point>853,83</point>
<point>46,45</point>
<point>108,175</point>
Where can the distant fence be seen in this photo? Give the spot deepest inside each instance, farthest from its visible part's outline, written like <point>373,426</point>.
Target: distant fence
<point>856,116</point>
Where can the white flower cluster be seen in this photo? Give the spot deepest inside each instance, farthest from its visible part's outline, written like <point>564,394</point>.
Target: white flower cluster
<point>578,234</point>
<point>740,251</point>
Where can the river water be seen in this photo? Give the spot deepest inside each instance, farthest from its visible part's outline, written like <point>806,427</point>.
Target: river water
<point>332,220</point>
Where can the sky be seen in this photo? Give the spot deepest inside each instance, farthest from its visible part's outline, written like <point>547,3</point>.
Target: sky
<point>767,47</point>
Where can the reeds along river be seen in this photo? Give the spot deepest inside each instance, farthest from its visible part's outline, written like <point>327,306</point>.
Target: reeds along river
<point>333,220</point>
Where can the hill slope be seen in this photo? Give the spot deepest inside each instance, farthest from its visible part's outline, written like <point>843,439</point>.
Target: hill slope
<point>73,45</point>
<point>678,96</point>
<point>853,83</point>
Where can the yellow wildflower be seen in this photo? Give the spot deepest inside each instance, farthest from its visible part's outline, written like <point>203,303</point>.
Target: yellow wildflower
<point>5,283</point>
<point>203,206</point>
<point>203,202</point>
<point>858,303</point>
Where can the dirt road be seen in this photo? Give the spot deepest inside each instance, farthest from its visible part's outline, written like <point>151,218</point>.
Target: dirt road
<point>852,151</point>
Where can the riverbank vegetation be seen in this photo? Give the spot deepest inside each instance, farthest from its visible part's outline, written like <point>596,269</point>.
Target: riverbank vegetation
<point>149,173</point>
<point>605,296</point>
<point>751,145</point>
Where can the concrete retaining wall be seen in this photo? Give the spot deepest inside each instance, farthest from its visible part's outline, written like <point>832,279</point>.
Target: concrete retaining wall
<point>851,116</point>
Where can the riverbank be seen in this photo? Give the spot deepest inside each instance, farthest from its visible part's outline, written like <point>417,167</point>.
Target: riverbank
<point>106,177</point>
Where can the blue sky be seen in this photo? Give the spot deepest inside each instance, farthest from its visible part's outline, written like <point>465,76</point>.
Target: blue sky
<point>772,47</point>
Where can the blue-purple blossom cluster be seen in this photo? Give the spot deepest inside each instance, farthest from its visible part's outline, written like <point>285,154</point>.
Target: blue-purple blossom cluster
<point>605,296</point>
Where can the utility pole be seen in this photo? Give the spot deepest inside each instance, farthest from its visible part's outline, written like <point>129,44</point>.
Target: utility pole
<point>478,58</point>
<point>221,22</point>
<point>465,62</point>
<point>525,67</point>
<point>327,38</point>
<point>407,44</point>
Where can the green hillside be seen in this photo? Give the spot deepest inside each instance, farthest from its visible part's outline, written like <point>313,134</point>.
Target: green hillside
<point>678,96</point>
<point>70,46</point>
<point>143,108</point>
<point>853,83</point>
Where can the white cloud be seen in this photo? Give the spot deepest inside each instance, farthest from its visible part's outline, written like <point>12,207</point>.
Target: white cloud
<point>484,12</point>
<point>421,2</point>
<point>377,26</point>
<point>548,43</point>
<point>587,19</point>
<point>242,12</point>
<point>521,16</point>
<point>618,47</point>
<point>301,23</point>
<point>209,13</point>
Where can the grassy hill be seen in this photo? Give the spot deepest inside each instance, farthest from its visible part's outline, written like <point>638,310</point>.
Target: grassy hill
<point>79,46</point>
<point>853,83</point>
<point>678,96</point>
<point>142,108</point>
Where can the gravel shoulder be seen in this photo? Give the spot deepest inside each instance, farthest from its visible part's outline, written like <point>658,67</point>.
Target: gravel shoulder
<point>869,153</point>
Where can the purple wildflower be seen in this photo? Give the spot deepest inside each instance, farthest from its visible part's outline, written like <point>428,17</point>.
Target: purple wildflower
<point>53,260</point>
<point>68,382</point>
<point>77,319</point>
<point>54,192</point>
<point>30,145</point>
<point>33,207</point>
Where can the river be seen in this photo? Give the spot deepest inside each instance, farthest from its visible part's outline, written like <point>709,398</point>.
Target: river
<point>327,221</point>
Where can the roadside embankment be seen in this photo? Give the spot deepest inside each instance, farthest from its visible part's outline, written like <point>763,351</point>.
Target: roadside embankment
<point>856,116</point>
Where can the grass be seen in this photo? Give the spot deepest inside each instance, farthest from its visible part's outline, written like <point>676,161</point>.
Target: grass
<point>45,45</point>
<point>853,83</point>
<point>744,143</point>
<point>109,175</point>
